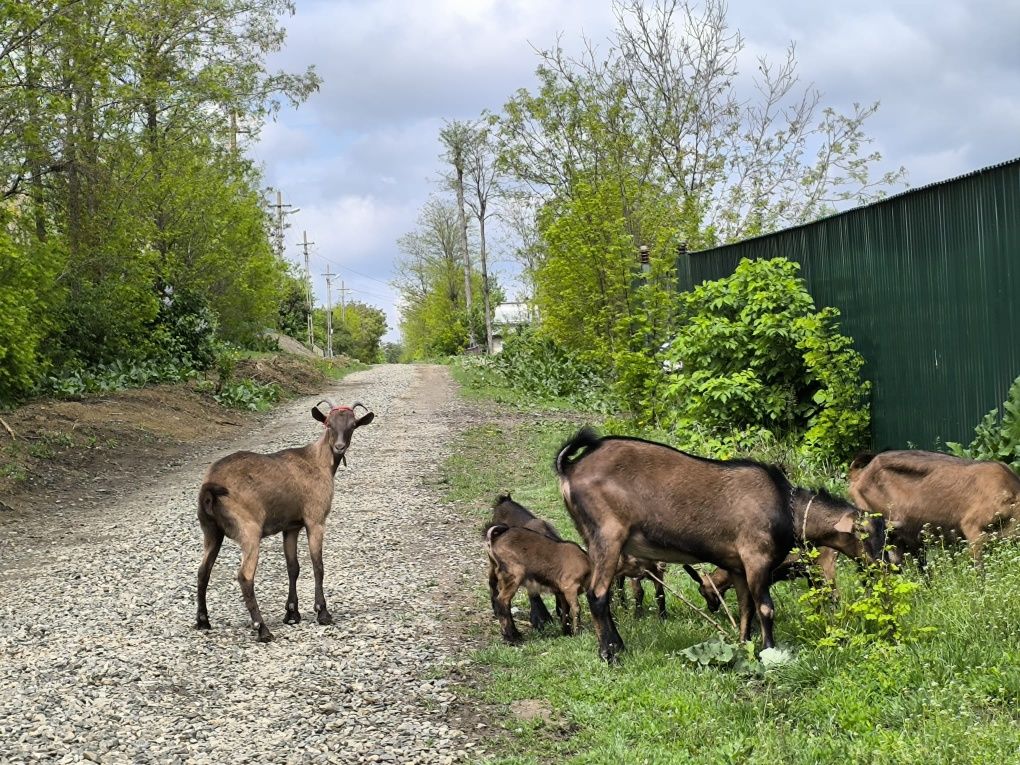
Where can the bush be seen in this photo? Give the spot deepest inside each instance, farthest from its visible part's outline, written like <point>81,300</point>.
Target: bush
<point>27,293</point>
<point>997,436</point>
<point>753,356</point>
<point>536,366</point>
<point>185,331</point>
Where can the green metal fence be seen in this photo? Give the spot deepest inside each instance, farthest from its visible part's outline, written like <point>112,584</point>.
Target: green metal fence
<point>928,283</point>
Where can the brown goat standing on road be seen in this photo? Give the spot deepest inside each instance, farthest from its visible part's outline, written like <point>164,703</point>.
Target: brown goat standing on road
<point>652,501</point>
<point>522,557</point>
<point>954,497</point>
<point>247,496</point>
<point>822,520</point>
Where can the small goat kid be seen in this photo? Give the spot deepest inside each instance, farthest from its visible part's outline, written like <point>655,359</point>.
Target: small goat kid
<point>247,496</point>
<point>522,557</point>
<point>512,514</point>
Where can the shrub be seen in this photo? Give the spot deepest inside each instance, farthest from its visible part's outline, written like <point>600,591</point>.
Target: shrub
<point>753,356</point>
<point>185,331</point>
<point>535,365</point>
<point>997,436</point>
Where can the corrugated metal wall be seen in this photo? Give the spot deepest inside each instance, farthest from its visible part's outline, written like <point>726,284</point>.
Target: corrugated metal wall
<point>928,284</point>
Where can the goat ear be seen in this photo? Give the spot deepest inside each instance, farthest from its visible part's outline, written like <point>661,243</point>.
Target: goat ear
<point>365,419</point>
<point>692,573</point>
<point>317,414</point>
<point>845,524</point>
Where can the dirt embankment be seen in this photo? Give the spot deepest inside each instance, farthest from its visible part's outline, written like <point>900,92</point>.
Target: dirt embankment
<point>60,452</point>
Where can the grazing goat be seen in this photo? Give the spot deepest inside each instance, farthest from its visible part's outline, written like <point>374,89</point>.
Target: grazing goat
<point>247,496</point>
<point>509,513</point>
<point>522,557</point>
<point>953,497</point>
<point>819,519</point>
<point>626,495</point>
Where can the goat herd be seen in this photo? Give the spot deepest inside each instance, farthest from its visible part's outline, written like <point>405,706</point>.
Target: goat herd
<point>638,505</point>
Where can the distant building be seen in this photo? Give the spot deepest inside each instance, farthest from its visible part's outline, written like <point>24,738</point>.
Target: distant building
<point>507,317</point>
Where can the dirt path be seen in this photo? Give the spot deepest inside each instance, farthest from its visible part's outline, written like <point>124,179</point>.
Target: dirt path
<point>98,657</point>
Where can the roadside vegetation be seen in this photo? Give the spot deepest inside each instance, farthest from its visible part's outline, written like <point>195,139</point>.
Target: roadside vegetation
<point>136,245</point>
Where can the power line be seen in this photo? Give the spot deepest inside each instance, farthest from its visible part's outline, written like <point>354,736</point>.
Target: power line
<point>348,268</point>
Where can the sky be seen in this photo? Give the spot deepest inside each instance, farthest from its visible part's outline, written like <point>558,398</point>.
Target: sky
<point>360,157</point>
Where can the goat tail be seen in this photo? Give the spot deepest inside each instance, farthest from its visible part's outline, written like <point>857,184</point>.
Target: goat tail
<point>208,495</point>
<point>494,532</point>
<point>585,438</point>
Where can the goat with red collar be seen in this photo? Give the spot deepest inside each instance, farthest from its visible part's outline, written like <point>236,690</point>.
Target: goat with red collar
<point>247,496</point>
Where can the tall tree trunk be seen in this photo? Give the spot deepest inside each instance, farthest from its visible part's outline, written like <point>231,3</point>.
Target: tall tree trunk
<point>464,242</point>
<point>485,280</point>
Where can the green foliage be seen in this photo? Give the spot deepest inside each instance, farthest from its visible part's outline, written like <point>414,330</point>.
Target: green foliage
<point>588,285</point>
<point>248,394</point>
<point>75,382</point>
<point>537,367</point>
<point>753,356</point>
<point>875,610</point>
<point>27,293</point>
<point>185,331</point>
<point>114,165</point>
<point>719,653</point>
<point>393,353</point>
<point>997,436</point>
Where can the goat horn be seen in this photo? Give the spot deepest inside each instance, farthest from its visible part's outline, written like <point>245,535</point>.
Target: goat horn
<point>356,404</point>
<point>324,401</point>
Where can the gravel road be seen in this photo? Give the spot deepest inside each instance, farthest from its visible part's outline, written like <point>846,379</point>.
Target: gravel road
<point>99,660</point>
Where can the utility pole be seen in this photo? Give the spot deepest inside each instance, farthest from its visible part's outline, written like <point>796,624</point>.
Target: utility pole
<point>280,212</point>
<point>343,303</point>
<point>308,289</point>
<point>234,130</point>
<point>329,312</point>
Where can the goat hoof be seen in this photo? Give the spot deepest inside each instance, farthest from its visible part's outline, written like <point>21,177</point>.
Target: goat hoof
<point>265,636</point>
<point>202,623</point>
<point>513,640</point>
<point>324,618</point>
<point>292,617</point>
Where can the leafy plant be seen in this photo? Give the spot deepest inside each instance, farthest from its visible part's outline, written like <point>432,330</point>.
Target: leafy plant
<point>997,436</point>
<point>753,356</point>
<point>719,653</point>
<point>537,366</point>
<point>875,612</point>
<point>248,394</point>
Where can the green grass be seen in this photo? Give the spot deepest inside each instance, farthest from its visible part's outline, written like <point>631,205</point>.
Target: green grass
<point>948,694</point>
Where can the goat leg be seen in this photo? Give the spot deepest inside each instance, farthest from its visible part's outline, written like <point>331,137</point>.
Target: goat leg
<point>290,539</point>
<point>638,590</point>
<point>660,594</point>
<point>506,619</point>
<point>213,541</point>
<point>540,615</point>
<point>563,610</point>
<point>246,578</point>
<point>315,534</point>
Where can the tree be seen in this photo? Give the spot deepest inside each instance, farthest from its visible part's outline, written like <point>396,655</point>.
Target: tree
<point>434,318</point>
<point>480,176</point>
<point>457,137</point>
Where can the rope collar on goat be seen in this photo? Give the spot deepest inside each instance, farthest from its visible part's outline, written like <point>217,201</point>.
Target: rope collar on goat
<point>803,527</point>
